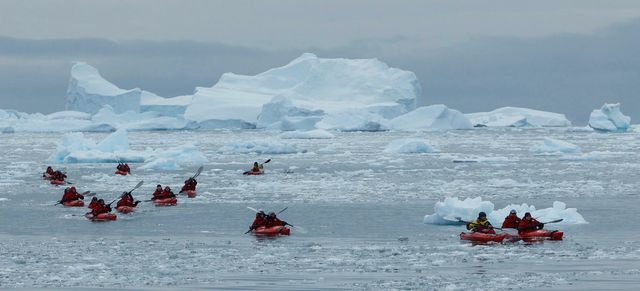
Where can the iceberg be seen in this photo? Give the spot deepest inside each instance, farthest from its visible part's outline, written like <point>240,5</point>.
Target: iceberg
<point>468,209</point>
<point>353,120</point>
<point>259,147</point>
<point>518,117</point>
<point>88,91</point>
<point>281,114</point>
<point>553,146</point>
<point>312,134</point>
<point>434,117</point>
<point>174,158</point>
<point>609,118</point>
<point>409,146</point>
<point>174,106</point>
<point>312,83</point>
<point>134,121</point>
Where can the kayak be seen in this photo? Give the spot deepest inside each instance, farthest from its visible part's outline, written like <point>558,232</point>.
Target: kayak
<point>101,217</point>
<point>272,231</point>
<point>482,237</point>
<point>166,202</point>
<point>125,209</point>
<point>542,234</point>
<point>57,182</point>
<point>250,173</point>
<point>74,203</point>
<point>190,193</point>
<point>123,173</point>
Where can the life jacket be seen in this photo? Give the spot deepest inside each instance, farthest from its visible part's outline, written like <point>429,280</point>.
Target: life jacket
<point>100,208</point>
<point>93,204</point>
<point>70,196</point>
<point>482,226</point>
<point>511,221</point>
<point>157,194</point>
<point>529,225</point>
<point>126,201</point>
<point>259,221</point>
<point>273,221</point>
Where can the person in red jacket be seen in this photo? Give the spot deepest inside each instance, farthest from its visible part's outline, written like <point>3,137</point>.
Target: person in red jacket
<point>70,194</point>
<point>58,176</point>
<point>49,173</point>
<point>100,208</point>
<point>127,200</point>
<point>529,223</point>
<point>94,203</point>
<point>126,168</point>
<point>166,193</point>
<point>259,221</point>
<point>189,185</point>
<point>272,220</point>
<point>512,220</point>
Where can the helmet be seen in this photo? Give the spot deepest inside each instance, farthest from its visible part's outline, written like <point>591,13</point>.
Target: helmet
<point>513,211</point>
<point>482,214</point>
<point>272,214</point>
<point>73,188</point>
<point>94,198</point>
<point>100,200</point>
<point>159,185</point>
<point>255,164</point>
<point>167,188</point>
<point>527,214</point>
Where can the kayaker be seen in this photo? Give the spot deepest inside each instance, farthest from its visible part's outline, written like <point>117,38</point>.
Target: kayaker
<point>257,167</point>
<point>158,191</point>
<point>189,185</point>
<point>100,208</point>
<point>94,203</point>
<point>166,193</point>
<point>126,168</point>
<point>272,221</point>
<point>48,173</point>
<point>70,194</point>
<point>481,224</point>
<point>529,223</point>
<point>512,220</point>
<point>259,221</point>
<point>126,199</point>
<point>58,176</point>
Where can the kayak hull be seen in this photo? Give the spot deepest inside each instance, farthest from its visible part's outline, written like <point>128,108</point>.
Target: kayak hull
<point>166,202</point>
<point>122,173</point>
<point>57,182</point>
<point>102,217</point>
<point>74,203</point>
<point>542,234</point>
<point>482,237</point>
<point>190,193</point>
<point>272,231</point>
<point>254,173</point>
<point>125,209</point>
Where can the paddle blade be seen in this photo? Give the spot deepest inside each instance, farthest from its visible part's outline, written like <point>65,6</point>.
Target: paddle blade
<point>253,209</point>
<point>198,172</point>
<point>283,210</point>
<point>137,186</point>
<point>267,161</point>
<point>554,221</point>
<point>300,229</point>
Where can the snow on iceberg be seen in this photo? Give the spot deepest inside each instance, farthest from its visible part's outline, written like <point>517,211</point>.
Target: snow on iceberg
<point>75,148</point>
<point>468,209</point>
<point>259,147</point>
<point>434,117</point>
<point>88,91</point>
<point>312,134</point>
<point>280,113</point>
<point>551,146</point>
<point>517,117</point>
<point>409,146</point>
<point>353,120</point>
<point>174,106</point>
<point>135,121</point>
<point>609,118</point>
<point>311,82</point>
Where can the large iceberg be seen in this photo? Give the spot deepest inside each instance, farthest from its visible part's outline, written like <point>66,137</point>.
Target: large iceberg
<point>75,148</point>
<point>609,118</point>
<point>434,117</point>
<point>312,83</point>
<point>280,113</point>
<point>554,146</point>
<point>88,91</point>
<point>517,117</point>
<point>446,212</point>
<point>174,106</point>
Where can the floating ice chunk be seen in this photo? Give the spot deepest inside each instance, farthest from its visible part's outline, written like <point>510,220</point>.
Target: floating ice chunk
<point>259,147</point>
<point>88,91</point>
<point>518,117</point>
<point>409,146</point>
<point>174,158</point>
<point>434,117</point>
<point>312,134</point>
<point>468,209</point>
<point>609,118</point>
<point>550,145</point>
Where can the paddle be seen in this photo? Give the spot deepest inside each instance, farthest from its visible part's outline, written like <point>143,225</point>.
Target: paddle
<point>265,162</point>
<point>196,175</point>
<point>86,193</point>
<point>283,210</point>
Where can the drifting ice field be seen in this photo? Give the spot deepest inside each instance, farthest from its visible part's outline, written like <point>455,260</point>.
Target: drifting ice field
<point>360,201</point>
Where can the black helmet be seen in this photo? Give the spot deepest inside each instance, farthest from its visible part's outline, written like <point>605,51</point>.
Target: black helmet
<point>100,200</point>
<point>513,211</point>
<point>527,214</point>
<point>482,214</point>
<point>159,185</point>
<point>94,198</point>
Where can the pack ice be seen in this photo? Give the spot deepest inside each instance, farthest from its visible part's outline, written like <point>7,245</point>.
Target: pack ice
<point>446,211</point>
<point>609,118</point>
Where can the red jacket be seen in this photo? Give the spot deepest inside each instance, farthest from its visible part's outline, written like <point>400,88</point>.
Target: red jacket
<point>93,204</point>
<point>125,201</point>
<point>100,208</point>
<point>511,221</point>
<point>71,196</point>
<point>259,221</point>
<point>189,185</point>
<point>157,194</point>
<point>528,225</point>
<point>271,222</point>
<point>164,195</point>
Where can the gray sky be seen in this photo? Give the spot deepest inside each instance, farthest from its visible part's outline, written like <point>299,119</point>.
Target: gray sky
<point>564,56</point>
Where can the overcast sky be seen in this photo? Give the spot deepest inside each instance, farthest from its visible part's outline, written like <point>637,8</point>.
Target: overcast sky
<point>563,56</point>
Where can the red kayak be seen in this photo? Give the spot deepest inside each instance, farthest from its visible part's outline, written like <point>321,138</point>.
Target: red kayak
<point>250,173</point>
<point>541,234</point>
<point>272,231</point>
<point>74,203</point>
<point>482,237</point>
<point>123,173</point>
<point>101,217</point>
<point>166,202</point>
<point>125,209</point>
<point>190,193</point>
<point>57,182</point>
